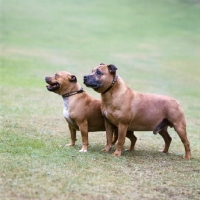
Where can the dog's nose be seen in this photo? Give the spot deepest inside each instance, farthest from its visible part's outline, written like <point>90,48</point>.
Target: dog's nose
<point>85,77</point>
<point>47,79</point>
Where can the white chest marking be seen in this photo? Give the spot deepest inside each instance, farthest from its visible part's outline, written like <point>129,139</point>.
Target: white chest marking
<point>66,111</point>
<point>105,113</point>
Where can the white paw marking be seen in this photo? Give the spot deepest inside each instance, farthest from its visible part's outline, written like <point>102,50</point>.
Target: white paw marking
<point>82,150</point>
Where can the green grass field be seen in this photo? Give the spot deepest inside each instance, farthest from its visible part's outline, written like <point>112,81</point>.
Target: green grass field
<point>156,48</point>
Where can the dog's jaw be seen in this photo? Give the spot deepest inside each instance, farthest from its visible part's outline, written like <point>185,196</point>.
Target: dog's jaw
<point>53,86</point>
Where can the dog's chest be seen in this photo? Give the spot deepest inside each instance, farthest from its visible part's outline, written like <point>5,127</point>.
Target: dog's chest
<point>109,115</point>
<point>105,113</point>
<point>66,111</point>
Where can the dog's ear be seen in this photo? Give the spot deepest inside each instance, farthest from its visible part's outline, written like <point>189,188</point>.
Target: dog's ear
<point>102,64</point>
<point>73,78</point>
<point>112,69</point>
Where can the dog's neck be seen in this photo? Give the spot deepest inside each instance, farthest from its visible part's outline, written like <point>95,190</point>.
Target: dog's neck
<point>113,83</point>
<point>118,89</point>
<point>73,93</point>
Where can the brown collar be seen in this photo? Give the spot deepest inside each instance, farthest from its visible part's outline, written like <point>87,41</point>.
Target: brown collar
<point>114,81</point>
<point>73,93</point>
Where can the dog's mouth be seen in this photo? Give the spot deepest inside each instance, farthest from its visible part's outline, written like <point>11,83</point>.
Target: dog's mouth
<point>53,86</point>
<point>92,86</point>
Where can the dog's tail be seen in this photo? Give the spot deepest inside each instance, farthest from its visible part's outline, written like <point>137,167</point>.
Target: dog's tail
<point>163,124</point>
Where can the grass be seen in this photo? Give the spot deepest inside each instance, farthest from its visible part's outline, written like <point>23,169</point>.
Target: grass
<point>156,47</point>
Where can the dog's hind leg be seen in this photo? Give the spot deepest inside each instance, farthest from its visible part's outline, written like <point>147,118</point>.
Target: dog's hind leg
<point>133,139</point>
<point>180,128</point>
<point>167,138</point>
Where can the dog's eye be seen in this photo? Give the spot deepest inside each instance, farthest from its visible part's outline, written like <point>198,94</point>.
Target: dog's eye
<point>98,72</point>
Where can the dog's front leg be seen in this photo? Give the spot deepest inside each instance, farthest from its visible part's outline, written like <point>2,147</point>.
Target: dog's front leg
<point>122,129</point>
<point>109,135</point>
<point>115,137</point>
<point>83,127</point>
<point>73,136</point>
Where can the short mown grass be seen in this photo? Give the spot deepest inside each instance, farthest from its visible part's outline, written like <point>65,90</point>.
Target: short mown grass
<point>155,46</point>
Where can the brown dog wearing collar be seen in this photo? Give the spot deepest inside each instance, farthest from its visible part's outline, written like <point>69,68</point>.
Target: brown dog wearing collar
<point>81,111</point>
<point>132,111</point>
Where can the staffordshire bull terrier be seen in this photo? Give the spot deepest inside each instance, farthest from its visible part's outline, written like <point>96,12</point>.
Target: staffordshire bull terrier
<point>81,111</point>
<point>132,111</point>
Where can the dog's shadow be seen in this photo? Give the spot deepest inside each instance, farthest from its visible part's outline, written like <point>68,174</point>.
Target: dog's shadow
<point>138,154</point>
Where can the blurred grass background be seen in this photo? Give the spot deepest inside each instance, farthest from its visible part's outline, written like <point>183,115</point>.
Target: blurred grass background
<point>156,48</point>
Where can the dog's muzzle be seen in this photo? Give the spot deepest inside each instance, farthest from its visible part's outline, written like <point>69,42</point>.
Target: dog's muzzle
<point>52,85</point>
<point>89,81</point>
<point>85,78</point>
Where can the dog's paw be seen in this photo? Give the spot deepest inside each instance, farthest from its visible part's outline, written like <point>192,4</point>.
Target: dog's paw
<point>103,150</point>
<point>69,145</point>
<point>117,153</point>
<point>82,150</point>
<point>187,157</point>
<point>106,149</point>
<point>163,151</point>
<point>128,150</point>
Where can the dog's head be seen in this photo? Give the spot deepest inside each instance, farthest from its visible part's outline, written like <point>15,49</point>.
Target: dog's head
<point>61,83</point>
<point>101,78</point>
